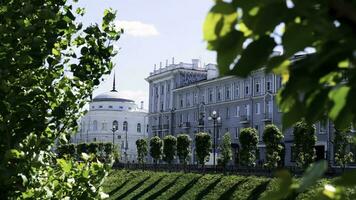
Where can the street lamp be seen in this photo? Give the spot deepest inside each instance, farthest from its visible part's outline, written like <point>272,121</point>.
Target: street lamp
<point>126,144</point>
<point>216,118</point>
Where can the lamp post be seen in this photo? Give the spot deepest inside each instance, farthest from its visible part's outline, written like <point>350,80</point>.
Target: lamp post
<point>215,117</point>
<point>126,144</point>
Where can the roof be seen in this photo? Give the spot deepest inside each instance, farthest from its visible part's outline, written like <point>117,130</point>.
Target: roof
<point>113,95</point>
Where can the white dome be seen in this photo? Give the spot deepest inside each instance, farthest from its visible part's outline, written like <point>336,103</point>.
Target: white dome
<point>113,95</point>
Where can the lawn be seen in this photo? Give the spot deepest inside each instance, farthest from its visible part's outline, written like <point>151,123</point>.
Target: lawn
<point>122,184</point>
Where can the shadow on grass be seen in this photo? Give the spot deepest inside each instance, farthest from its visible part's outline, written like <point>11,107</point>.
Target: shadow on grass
<point>228,193</point>
<point>206,191</point>
<point>256,193</point>
<point>159,192</point>
<point>180,193</point>
<point>147,189</point>
<point>129,191</point>
<point>118,188</point>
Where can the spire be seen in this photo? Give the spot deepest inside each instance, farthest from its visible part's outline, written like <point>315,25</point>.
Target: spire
<point>113,84</point>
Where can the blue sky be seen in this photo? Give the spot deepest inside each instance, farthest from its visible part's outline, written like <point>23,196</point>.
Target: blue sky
<point>156,30</point>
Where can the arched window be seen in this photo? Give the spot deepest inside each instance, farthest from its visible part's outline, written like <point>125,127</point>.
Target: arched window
<point>124,126</point>
<point>95,125</point>
<point>115,125</point>
<point>138,128</point>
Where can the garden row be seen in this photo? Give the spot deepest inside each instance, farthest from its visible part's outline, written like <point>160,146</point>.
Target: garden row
<point>121,184</point>
<point>102,150</point>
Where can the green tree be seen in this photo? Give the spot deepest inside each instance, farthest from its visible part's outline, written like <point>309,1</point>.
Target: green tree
<point>156,148</point>
<point>248,141</point>
<point>225,149</point>
<point>242,33</point>
<point>169,148</point>
<point>108,149</point>
<point>66,149</point>
<point>50,63</point>
<point>272,137</point>
<point>202,147</point>
<point>183,147</point>
<point>304,143</point>
<point>342,141</point>
<point>142,150</point>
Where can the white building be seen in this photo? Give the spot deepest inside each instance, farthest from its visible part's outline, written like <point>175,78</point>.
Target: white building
<point>114,119</point>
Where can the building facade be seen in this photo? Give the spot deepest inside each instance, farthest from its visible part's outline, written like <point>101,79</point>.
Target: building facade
<point>116,120</point>
<point>182,97</point>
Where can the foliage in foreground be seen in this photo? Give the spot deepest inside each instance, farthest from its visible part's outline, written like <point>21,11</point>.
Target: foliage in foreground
<point>225,149</point>
<point>50,64</point>
<point>156,148</point>
<point>169,148</point>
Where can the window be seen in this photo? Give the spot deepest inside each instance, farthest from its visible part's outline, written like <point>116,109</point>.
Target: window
<point>187,99</point>
<point>130,108</point>
<point>92,106</point>
<point>195,98</point>
<point>268,86</point>
<point>162,89</point>
<point>323,124</point>
<point>147,128</point>
<point>124,126</point>
<point>227,113</point>
<point>227,92</point>
<point>237,111</point>
<point>269,107</point>
<point>100,106</point>
<point>237,90</point>
<point>138,128</point>
<point>246,90</point>
<point>103,126</point>
<point>115,125</point>
<point>110,106</point>
<point>95,125</point>
<point>258,108</point>
<point>257,87</point>
<point>121,107</point>
<point>94,139</point>
<point>210,94</point>
<point>168,87</point>
<point>218,96</point>
<point>237,132</point>
<point>247,107</point>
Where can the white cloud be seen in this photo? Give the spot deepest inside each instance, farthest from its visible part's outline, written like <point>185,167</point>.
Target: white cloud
<point>137,28</point>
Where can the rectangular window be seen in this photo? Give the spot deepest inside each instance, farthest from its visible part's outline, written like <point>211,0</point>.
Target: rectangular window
<point>246,90</point>
<point>237,111</point>
<point>268,86</point>
<point>227,92</point>
<point>210,95</point>
<point>247,107</point>
<point>227,113</point>
<point>258,108</point>
<point>237,133</point>
<point>257,87</point>
<point>162,89</point>
<point>237,94</point>
<point>218,94</point>
<point>323,124</point>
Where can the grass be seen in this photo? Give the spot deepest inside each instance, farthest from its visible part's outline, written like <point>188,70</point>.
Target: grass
<point>122,184</point>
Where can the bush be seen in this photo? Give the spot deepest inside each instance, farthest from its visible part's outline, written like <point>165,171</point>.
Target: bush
<point>169,148</point>
<point>66,149</point>
<point>183,147</point>
<point>304,142</point>
<point>93,148</point>
<point>342,140</point>
<point>156,148</point>
<point>248,140</point>
<point>225,150</point>
<point>108,149</point>
<point>202,147</point>
<point>272,137</point>
<point>142,150</point>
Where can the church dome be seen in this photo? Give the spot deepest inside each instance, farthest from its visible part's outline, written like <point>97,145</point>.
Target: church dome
<point>113,95</point>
